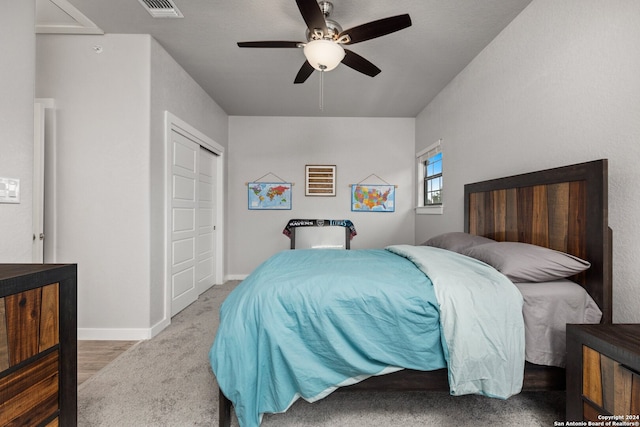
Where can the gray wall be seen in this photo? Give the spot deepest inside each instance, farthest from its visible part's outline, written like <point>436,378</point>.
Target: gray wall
<point>110,111</point>
<point>558,86</point>
<point>17,72</point>
<point>358,147</point>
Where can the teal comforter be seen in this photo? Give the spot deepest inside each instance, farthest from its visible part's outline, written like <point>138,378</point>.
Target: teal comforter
<point>306,322</point>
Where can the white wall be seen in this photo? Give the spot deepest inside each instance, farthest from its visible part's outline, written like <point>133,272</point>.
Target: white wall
<point>283,146</point>
<point>102,102</point>
<point>110,111</point>
<point>17,72</point>
<point>558,86</point>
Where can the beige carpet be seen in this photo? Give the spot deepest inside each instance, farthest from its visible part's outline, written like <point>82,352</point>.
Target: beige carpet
<point>167,381</point>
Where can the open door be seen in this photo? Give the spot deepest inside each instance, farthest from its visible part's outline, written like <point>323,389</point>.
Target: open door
<point>44,181</point>
<point>37,250</point>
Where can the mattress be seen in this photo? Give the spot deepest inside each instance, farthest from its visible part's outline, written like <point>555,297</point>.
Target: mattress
<point>548,307</point>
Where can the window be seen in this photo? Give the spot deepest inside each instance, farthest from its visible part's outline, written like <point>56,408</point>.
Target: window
<point>430,184</point>
<point>433,180</point>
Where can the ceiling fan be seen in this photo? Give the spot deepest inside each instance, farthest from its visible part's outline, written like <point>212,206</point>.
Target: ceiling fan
<point>325,40</point>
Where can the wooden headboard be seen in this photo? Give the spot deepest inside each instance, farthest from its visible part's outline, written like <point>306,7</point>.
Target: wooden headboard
<point>564,208</point>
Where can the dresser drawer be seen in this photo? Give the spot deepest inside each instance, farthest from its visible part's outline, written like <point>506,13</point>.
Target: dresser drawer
<point>31,392</point>
<point>603,372</point>
<point>38,345</point>
<point>608,387</point>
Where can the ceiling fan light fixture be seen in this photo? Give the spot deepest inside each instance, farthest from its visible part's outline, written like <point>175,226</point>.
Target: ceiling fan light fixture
<point>323,55</point>
<point>325,37</point>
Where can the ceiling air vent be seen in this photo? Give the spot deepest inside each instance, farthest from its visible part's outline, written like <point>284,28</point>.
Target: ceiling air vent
<point>161,8</point>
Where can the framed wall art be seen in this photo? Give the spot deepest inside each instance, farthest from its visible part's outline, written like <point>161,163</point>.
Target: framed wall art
<point>269,195</point>
<point>373,198</point>
<point>320,180</point>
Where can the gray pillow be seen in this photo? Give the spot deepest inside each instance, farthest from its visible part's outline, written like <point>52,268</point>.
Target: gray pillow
<point>456,241</point>
<point>522,262</point>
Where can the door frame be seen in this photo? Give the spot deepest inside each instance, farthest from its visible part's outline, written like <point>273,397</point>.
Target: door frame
<point>174,123</point>
<point>44,182</point>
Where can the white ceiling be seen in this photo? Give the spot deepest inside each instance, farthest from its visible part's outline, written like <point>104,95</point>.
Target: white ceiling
<point>416,62</point>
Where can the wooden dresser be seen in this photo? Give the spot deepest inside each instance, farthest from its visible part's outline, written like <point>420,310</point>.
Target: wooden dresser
<point>603,373</point>
<point>38,345</point>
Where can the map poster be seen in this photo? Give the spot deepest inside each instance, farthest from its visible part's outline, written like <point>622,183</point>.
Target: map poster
<point>269,195</point>
<point>373,198</point>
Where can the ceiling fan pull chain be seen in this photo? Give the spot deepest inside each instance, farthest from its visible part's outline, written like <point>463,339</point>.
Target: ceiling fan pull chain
<point>321,90</point>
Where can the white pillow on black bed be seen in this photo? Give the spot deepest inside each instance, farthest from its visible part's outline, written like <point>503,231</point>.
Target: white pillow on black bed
<point>523,262</point>
<point>457,241</point>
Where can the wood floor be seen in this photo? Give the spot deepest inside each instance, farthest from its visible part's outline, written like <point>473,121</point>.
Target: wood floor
<point>95,355</point>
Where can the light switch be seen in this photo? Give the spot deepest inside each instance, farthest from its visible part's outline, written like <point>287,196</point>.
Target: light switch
<point>9,190</point>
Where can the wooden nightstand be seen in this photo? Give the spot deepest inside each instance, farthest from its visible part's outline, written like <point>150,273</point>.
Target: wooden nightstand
<point>603,372</point>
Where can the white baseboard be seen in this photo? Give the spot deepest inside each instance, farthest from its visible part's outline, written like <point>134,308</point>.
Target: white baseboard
<point>235,277</point>
<point>133,334</point>
<point>159,327</point>
<point>124,334</point>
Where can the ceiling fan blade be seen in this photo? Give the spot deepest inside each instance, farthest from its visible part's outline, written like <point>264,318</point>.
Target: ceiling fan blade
<point>312,15</point>
<point>272,43</point>
<point>305,71</point>
<point>378,28</point>
<point>358,63</point>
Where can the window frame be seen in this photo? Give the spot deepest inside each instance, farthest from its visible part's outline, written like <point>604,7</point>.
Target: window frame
<point>421,157</point>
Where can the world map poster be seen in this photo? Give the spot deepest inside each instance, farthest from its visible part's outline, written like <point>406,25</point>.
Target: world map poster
<point>373,198</point>
<point>269,195</point>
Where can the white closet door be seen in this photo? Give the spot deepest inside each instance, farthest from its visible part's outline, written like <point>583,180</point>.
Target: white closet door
<point>184,221</point>
<point>206,243</point>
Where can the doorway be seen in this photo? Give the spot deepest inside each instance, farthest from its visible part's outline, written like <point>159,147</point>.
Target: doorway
<point>44,182</point>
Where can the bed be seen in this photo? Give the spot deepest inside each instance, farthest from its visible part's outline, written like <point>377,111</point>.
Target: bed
<point>563,209</point>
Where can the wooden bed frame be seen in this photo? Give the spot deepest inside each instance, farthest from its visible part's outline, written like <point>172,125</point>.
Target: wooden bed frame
<point>563,208</point>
